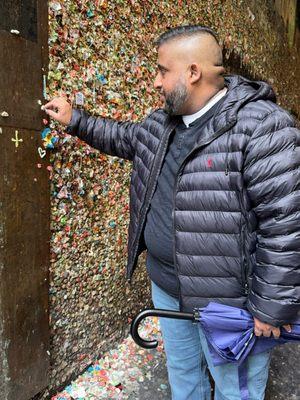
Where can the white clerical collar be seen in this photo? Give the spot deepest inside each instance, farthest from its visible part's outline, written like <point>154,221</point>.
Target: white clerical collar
<point>188,119</point>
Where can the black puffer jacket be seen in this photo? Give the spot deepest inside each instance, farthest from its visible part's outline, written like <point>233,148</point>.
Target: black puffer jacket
<point>236,200</point>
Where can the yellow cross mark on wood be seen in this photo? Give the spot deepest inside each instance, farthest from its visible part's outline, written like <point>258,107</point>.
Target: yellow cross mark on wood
<point>16,139</point>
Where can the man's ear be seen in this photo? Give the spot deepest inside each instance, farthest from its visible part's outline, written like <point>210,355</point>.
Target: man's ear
<point>195,73</point>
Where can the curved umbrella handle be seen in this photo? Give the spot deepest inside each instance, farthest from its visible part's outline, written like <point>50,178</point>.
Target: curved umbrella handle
<point>151,344</point>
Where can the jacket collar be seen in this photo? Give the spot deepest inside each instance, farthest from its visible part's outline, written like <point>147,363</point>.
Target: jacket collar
<point>240,92</point>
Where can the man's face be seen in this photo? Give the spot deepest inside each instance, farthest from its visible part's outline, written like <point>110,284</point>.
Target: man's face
<point>171,79</point>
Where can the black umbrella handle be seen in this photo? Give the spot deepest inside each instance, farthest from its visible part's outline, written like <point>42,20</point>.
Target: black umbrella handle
<point>151,344</point>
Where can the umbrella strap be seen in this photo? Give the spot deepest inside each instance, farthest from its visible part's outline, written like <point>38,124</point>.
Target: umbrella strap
<point>243,381</point>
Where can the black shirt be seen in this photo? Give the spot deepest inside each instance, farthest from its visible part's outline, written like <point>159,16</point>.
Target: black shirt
<point>159,231</point>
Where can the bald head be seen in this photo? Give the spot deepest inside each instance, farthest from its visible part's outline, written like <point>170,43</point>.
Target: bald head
<point>190,68</point>
<point>200,47</point>
<point>196,36</point>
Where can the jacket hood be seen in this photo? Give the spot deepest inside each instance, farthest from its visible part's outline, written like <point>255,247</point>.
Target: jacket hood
<point>240,92</point>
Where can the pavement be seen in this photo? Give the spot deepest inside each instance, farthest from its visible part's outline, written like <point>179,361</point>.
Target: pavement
<point>155,387</point>
<point>126,372</point>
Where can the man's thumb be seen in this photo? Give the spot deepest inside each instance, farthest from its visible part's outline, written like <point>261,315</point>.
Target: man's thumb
<point>288,328</point>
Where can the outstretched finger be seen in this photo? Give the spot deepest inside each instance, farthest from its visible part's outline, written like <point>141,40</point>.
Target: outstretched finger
<point>53,104</point>
<point>49,106</point>
<point>52,113</point>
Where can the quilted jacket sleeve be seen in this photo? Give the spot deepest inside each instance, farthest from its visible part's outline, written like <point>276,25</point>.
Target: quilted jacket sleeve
<point>111,137</point>
<point>272,176</point>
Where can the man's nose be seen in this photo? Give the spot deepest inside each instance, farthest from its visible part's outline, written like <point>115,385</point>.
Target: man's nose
<point>157,82</point>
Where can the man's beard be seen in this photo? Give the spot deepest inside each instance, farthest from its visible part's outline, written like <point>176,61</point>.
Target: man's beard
<point>175,99</point>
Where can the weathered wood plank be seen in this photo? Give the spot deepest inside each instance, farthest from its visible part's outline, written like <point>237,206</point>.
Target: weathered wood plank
<point>24,333</point>
<point>24,203</point>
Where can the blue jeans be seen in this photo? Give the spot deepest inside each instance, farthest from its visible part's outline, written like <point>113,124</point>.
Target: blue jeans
<point>188,360</point>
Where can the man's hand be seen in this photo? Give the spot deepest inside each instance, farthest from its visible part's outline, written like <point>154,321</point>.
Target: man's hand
<point>263,329</point>
<point>59,109</point>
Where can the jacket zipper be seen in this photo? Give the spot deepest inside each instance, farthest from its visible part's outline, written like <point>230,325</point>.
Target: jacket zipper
<point>179,173</point>
<point>150,191</point>
<point>244,266</point>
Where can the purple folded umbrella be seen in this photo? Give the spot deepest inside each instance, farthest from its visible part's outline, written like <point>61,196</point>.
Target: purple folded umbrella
<point>229,332</point>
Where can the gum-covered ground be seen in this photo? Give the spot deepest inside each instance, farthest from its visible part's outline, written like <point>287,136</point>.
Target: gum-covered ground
<point>125,372</point>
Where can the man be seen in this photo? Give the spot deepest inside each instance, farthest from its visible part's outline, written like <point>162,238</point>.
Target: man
<point>214,199</point>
